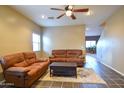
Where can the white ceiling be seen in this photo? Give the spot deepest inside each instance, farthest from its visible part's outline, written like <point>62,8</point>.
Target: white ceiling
<point>99,14</point>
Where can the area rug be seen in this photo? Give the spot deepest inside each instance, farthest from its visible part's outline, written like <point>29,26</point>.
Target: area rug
<point>84,75</point>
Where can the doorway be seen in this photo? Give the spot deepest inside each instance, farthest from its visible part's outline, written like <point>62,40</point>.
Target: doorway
<point>91,44</point>
<point>91,47</point>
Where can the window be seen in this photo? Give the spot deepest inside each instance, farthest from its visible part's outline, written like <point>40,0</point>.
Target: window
<point>90,44</point>
<point>36,42</point>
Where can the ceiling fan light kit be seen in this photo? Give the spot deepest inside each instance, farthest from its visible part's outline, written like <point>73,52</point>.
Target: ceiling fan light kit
<point>68,13</point>
<point>43,17</point>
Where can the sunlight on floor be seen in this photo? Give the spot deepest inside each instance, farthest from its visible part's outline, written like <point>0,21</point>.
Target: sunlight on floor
<point>90,58</point>
<point>91,61</point>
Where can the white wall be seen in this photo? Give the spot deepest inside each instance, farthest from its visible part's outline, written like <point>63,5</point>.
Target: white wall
<point>64,37</point>
<point>110,47</point>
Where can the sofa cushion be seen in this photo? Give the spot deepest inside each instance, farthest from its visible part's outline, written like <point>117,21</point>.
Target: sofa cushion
<point>74,60</point>
<point>42,59</point>
<point>29,55</point>
<point>57,59</point>
<point>59,53</point>
<point>38,64</point>
<point>74,53</point>
<point>12,59</point>
<point>21,64</point>
<point>33,72</point>
<point>30,61</point>
<point>36,68</point>
<point>72,56</point>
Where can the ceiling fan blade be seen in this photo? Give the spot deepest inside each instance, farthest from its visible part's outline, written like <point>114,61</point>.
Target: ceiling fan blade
<point>66,8</point>
<point>73,17</point>
<point>57,9</point>
<point>81,10</point>
<point>60,15</point>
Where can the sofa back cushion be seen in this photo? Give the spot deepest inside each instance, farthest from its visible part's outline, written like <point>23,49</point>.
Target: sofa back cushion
<point>21,64</point>
<point>59,53</point>
<point>74,53</point>
<point>30,57</point>
<point>10,60</point>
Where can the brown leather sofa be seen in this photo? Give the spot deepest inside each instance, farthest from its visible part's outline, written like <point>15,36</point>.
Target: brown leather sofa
<point>73,55</point>
<point>22,69</point>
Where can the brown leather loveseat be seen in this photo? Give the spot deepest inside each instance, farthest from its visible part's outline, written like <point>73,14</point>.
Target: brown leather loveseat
<point>70,55</point>
<point>22,69</point>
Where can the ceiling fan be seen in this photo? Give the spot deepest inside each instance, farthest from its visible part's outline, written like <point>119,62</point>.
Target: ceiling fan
<point>69,11</point>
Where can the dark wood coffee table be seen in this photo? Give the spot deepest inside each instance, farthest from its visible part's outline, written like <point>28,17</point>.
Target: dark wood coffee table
<point>63,69</point>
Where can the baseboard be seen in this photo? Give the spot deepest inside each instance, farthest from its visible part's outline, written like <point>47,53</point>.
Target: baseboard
<point>112,68</point>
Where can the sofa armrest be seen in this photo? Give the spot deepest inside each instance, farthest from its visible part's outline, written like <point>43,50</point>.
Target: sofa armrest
<point>42,59</point>
<point>51,56</point>
<point>82,56</point>
<point>17,71</point>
